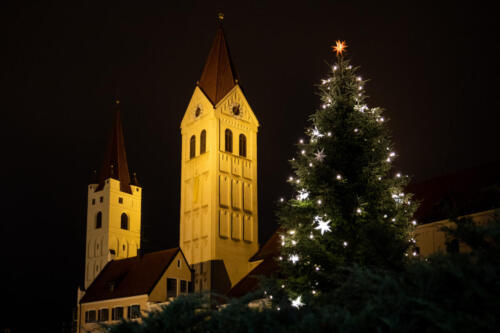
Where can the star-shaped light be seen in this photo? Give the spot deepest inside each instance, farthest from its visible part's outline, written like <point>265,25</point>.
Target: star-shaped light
<point>303,195</point>
<point>294,258</point>
<point>339,47</point>
<point>316,133</point>
<point>322,224</point>
<point>297,302</point>
<point>320,155</point>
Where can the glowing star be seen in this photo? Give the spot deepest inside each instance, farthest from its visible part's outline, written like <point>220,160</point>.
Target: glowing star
<point>320,155</point>
<point>339,47</point>
<point>297,302</point>
<point>303,195</point>
<point>322,224</point>
<point>316,133</point>
<point>294,258</point>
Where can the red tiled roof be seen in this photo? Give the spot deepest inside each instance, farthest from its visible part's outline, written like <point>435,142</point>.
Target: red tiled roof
<point>130,277</point>
<point>218,76</point>
<point>251,281</point>
<point>115,160</point>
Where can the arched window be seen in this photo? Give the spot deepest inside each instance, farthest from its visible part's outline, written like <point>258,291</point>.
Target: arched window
<point>98,220</point>
<point>203,142</point>
<point>229,141</point>
<point>124,224</point>
<point>243,145</point>
<point>192,147</point>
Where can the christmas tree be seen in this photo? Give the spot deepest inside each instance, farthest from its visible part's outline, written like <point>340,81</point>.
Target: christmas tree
<point>350,207</point>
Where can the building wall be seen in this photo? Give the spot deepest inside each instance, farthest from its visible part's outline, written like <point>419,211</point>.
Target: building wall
<point>430,239</point>
<point>110,236</point>
<point>219,220</point>
<point>141,300</point>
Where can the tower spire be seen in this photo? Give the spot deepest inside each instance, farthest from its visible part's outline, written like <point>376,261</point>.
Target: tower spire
<point>115,160</point>
<point>219,75</point>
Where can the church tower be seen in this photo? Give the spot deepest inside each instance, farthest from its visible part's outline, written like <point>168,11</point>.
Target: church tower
<point>113,208</point>
<point>218,217</point>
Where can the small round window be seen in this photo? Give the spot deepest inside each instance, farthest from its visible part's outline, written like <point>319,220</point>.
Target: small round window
<point>236,110</point>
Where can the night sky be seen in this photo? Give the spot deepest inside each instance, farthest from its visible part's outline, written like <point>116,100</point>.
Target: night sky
<point>434,69</point>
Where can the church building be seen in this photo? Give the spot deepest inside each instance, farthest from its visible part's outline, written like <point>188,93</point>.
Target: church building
<point>218,208</point>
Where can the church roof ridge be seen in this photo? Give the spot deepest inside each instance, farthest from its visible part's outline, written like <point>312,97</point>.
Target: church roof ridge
<point>115,159</point>
<point>219,75</point>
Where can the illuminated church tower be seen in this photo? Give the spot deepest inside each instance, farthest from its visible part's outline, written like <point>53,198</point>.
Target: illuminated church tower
<point>113,208</point>
<point>218,217</point>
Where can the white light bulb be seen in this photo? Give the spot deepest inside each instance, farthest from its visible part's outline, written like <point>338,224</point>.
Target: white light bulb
<point>358,210</point>
<point>301,141</point>
<point>385,216</point>
<point>294,258</point>
<point>360,88</point>
<point>414,222</point>
<point>292,232</point>
<point>281,199</point>
<point>392,154</point>
<point>339,177</point>
<point>335,68</point>
<point>310,165</point>
<point>393,220</point>
<point>290,178</point>
<point>298,181</point>
<point>398,175</point>
<point>294,242</point>
<point>345,244</point>
<point>329,133</point>
<point>303,152</point>
<point>356,130</point>
<point>319,202</point>
<point>358,78</point>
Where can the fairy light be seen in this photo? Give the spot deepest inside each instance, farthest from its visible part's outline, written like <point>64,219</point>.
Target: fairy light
<point>398,175</point>
<point>292,232</point>
<point>329,133</point>
<point>290,178</point>
<point>414,222</point>
<point>298,181</point>
<point>392,154</point>
<point>339,177</point>
<point>319,202</point>
<point>297,302</point>
<point>358,210</point>
<point>282,199</point>
<point>303,152</point>
<point>294,242</point>
<point>356,130</point>
<point>345,244</point>
<point>301,141</point>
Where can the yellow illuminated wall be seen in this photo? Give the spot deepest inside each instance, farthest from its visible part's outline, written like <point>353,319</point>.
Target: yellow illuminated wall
<point>110,241</point>
<point>218,217</point>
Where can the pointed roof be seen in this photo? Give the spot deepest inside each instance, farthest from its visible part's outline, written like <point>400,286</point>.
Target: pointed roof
<point>218,76</point>
<point>115,160</point>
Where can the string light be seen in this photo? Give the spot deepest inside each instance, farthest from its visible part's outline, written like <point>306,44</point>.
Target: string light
<point>358,210</point>
<point>345,244</point>
<point>339,177</point>
<point>301,141</point>
<point>292,232</point>
<point>356,130</point>
<point>414,222</point>
<point>319,202</point>
<point>303,152</point>
<point>282,199</point>
<point>329,133</point>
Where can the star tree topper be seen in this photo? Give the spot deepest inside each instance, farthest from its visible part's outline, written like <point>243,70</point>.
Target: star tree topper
<point>339,47</point>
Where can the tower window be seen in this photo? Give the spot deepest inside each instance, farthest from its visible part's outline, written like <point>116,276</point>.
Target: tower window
<point>124,221</point>
<point>192,147</point>
<point>178,263</point>
<point>243,145</point>
<point>229,141</point>
<point>120,200</point>
<point>98,220</point>
<point>93,201</point>
<point>203,142</point>
<point>101,199</point>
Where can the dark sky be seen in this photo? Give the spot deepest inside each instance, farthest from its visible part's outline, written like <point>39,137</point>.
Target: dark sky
<point>434,68</point>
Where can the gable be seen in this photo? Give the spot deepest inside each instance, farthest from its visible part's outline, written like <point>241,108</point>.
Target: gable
<point>130,277</point>
<point>198,99</point>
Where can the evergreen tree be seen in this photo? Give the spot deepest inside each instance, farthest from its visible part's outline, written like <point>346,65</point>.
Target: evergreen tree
<point>349,207</point>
